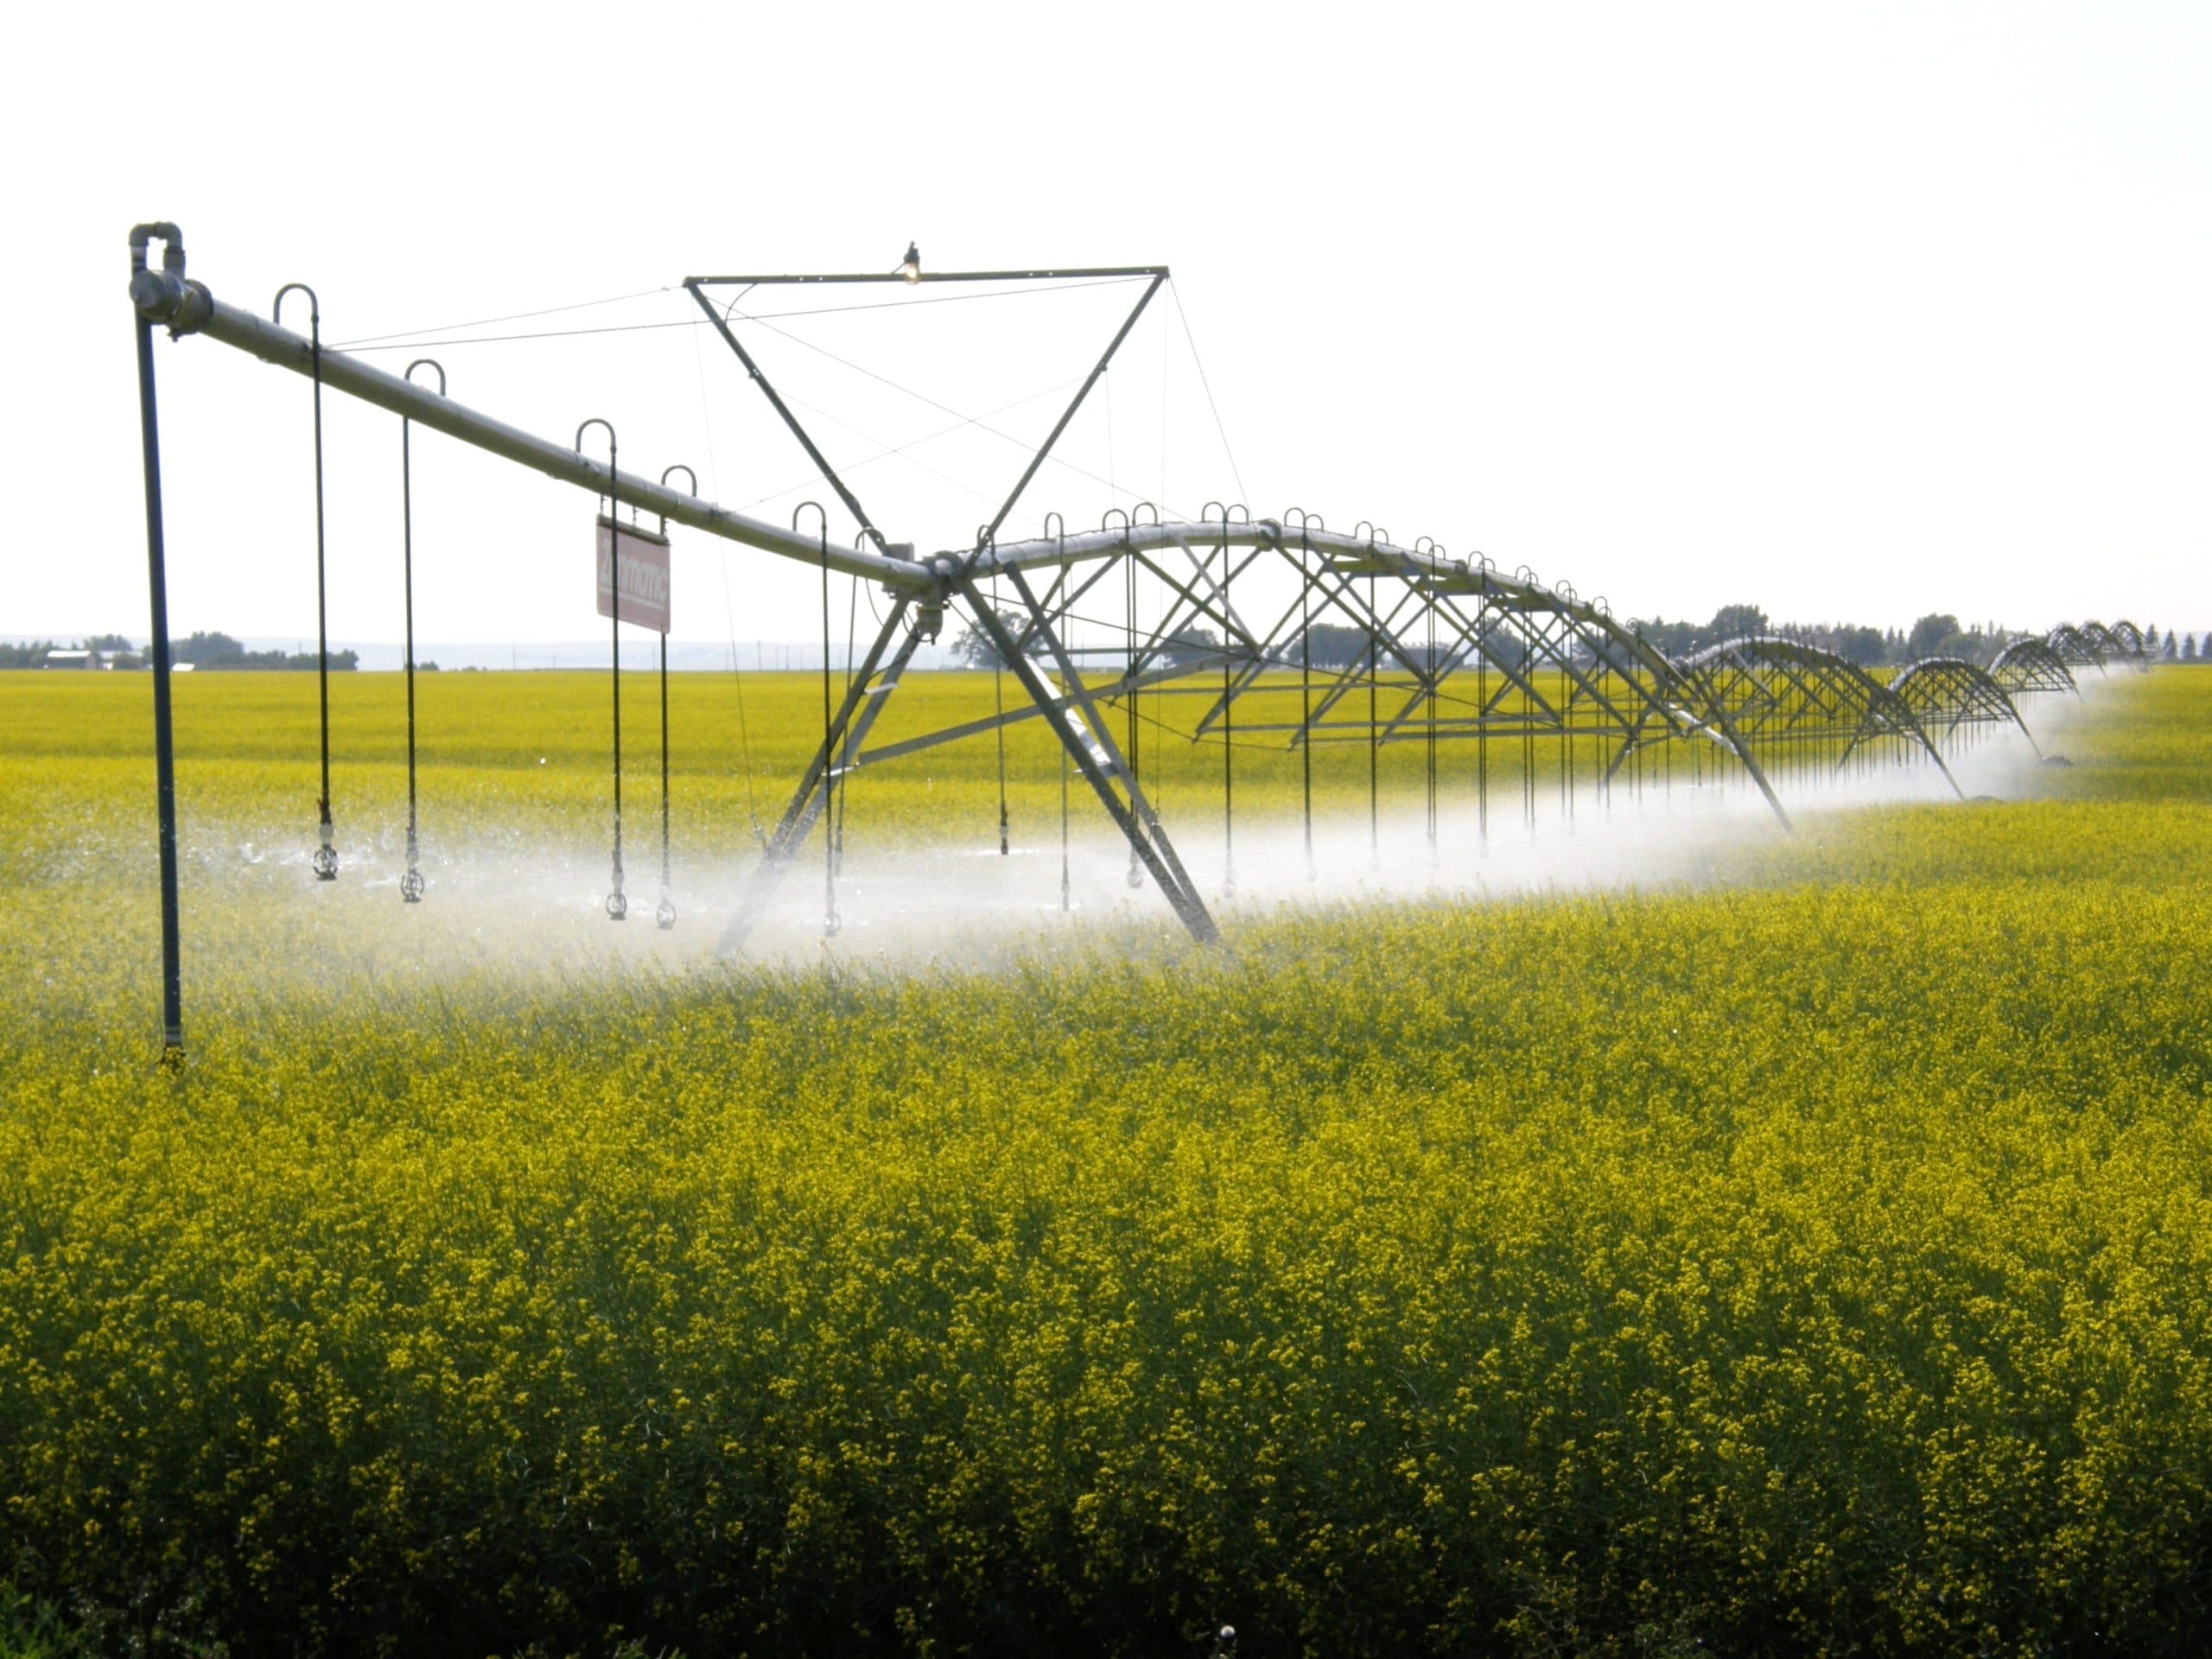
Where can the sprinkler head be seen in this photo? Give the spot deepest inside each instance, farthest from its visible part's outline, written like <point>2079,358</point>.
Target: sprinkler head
<point>618,906</point>
<point>326,862</point>
<point>664,912</point>
<point>410,887</point>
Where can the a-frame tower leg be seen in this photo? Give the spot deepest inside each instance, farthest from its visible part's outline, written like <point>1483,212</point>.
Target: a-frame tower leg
<point>1103,766</point>
<point>870,689</point>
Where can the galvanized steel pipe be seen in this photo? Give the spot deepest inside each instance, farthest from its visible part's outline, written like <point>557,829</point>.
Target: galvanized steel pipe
<point>190,308</point>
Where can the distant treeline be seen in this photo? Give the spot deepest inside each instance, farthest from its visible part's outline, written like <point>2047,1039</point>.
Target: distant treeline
<point>107,647</point>
<point>1936,634</point>
<point>201,650</point>
<point>1939,633</point>
<point>1334,645</point>
<point>221,651</point>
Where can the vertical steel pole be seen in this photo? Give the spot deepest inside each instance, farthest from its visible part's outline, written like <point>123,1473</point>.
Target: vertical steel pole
<point>1374,772</point>
<point>325,854</point>
<point>1435,684</point>
<point>410,887</point>
<point>1306,692</point>
<point>829,921</point>
<point>1482,726</point>
<point>666,915</point>
<point>617,902</point>
<point>998,707</point>
<point>1228,727</point>
<point>164,743</point>
<point>410,883</point>
<point>664,912</point>
<point>1135,708</point>
<point>614,672</point>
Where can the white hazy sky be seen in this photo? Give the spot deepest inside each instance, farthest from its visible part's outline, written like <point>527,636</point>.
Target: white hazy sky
<point>1854,311</point>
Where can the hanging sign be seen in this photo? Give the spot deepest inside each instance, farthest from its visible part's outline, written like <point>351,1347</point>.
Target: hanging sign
<point>637,559</point>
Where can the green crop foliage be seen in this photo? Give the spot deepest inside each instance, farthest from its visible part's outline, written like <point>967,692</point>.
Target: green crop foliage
<point>1815,1259</point>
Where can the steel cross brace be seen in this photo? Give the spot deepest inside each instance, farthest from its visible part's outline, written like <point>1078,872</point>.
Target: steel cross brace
<point>1358,670</point>
<point>1141,807</point>
<point>1165,636</point>
<point>833,758</point>
<point>1232,630</point>
<point>1120,688</point>
<point>695,286</point>
<point>1345,598</point>
<point>1135,819</point>
<point>1549,642</point>
<point>1731,738</point>
<point>1554,640</point>
<point>1734,741</point>
<point>1271,648</point>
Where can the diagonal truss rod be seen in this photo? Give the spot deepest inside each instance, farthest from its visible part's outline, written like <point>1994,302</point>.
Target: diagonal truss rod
<point>1102,735</point>
<point>782,410</point>
<point>864,696</point>
<point>991,530</point>
<point>697,286</point>
<point>1133,818</point>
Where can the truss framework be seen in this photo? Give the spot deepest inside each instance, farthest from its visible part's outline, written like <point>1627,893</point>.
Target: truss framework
<point>1443,650</point>
<point>1945,693</point>
<point>2028,666</point>
<point>1447,652</point>
<point>2092,645</point>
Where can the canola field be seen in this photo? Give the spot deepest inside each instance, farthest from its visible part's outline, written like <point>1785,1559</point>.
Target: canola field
<point>1817,1258</point>
<point>527,753</point>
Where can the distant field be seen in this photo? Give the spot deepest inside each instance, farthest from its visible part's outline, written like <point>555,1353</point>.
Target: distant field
<point>1819,1258</point>
<point>532,748</point>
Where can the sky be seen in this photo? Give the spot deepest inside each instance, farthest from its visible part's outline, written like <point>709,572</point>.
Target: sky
<point>1854,313</point>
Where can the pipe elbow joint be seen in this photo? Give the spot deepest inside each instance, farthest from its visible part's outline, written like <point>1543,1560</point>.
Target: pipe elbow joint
<point>168,295</point>
<point>165,233</point>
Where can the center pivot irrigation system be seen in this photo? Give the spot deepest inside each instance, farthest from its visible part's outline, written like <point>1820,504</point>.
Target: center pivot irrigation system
<point>1439,648</point>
